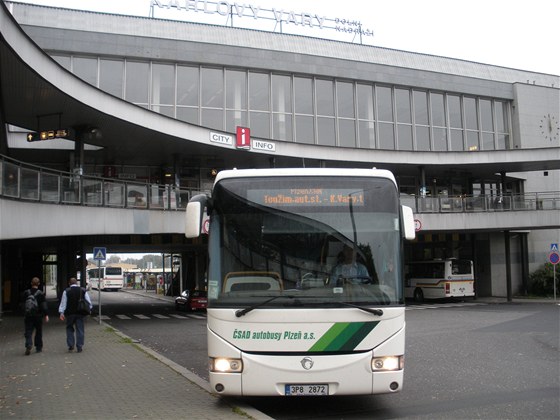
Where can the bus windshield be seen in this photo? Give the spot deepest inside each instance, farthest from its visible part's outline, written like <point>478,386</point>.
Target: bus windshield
<point>309,241</point>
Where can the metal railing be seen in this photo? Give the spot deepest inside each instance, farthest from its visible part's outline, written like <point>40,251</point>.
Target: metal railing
<point>27,182</point>
<point>483,203</point>
<point>32,183</point>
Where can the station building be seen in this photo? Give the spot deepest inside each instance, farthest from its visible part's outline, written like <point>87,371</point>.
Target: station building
<point>475,148</point>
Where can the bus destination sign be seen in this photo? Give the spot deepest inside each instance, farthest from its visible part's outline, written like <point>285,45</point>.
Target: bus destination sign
<point>297,197</point>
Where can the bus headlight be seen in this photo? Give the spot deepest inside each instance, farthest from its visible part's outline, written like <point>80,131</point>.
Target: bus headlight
<point>386,363</point>
<point>225,365</point>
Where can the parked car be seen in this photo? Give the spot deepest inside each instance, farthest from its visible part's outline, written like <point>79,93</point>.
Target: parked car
<point>192,300</point>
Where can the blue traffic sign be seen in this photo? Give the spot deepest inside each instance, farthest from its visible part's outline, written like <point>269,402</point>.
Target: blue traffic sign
<point>99,253</point>
<point>554,258</point>
<point>553,247</point>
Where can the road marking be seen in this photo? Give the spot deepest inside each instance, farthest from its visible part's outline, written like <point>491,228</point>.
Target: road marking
<point>443,306</point>
<point>152,316</point>
<point>178,316</point>
<point>195,316</point>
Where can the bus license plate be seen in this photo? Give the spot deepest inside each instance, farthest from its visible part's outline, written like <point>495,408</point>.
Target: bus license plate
<point>307,389</point>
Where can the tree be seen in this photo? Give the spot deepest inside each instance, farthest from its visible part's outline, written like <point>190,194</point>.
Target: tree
<point>113,259</point>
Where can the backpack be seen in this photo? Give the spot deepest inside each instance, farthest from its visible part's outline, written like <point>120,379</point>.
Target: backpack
<point>31,304</point>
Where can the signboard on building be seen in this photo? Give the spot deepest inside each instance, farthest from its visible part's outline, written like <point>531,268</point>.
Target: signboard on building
<point>248,15</point>
<point>243,140</point>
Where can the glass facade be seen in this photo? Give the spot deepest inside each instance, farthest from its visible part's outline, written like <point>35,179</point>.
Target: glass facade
<point>303,108</point>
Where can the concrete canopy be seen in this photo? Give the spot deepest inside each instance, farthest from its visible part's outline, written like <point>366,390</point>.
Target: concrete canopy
<point>36,94</point>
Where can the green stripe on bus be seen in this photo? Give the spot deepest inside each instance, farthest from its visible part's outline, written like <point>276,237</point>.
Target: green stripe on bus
<point>343,336</point>
<point>329,336</point>
<point>358,336</point>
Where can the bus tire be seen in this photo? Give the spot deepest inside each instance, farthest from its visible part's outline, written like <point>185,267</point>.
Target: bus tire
<point>418,295</point>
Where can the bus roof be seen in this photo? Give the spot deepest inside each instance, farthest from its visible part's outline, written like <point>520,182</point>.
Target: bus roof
<point>279,172</point>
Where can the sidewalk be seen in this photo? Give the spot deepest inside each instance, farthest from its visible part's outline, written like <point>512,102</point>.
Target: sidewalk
<point>112,378</point>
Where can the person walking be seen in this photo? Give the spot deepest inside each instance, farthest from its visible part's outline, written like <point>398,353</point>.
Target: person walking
<point>69,312</point>
<point>35,306</point>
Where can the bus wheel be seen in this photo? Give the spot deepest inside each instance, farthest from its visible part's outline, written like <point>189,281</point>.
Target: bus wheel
<point>418,295</point>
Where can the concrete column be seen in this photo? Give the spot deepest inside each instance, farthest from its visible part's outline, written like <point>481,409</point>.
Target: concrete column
<point>508,265</point>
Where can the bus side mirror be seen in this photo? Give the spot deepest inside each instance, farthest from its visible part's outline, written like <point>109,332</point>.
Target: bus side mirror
<point>194,216</point>
<point>409,230</point>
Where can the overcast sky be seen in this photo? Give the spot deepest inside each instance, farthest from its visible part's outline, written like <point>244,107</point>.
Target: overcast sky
<point>522,34</point>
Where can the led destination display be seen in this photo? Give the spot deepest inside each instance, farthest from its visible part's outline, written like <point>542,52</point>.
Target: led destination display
<point>298,197</point>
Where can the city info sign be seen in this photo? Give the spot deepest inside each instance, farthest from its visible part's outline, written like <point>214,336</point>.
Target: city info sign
<point>279,15</point>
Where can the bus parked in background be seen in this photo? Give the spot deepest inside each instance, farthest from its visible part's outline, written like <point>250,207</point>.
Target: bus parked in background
<point>305,281</point>
<point>105,278</point>
<point>438,279</point>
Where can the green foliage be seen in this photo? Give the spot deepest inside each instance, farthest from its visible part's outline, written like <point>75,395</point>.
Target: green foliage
<point>541,281</point>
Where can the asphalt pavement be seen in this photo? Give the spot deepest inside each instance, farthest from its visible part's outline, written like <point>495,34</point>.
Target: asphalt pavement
<point>112,377</point>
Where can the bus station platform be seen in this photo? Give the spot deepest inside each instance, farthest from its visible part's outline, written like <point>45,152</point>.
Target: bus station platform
<point>112,377</point>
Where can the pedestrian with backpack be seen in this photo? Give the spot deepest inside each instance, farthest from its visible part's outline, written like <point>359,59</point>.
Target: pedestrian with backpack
<point>74,306</point>
<point>35,307</point>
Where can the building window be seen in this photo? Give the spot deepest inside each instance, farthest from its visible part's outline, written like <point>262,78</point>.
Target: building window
<point>163,89</point>
<point>457,140</point>
<point>455,115</point>
<point>111,74</point>
<point>487,124</point>
<point>85,69</point>
<point>404,119</point>
<point>212,88</point>
<point>384,102</point>
<point>188,93</point>
<point>324,97</point>
<point>282,128</point>
<point>63,60</point>
<point>137,82</point>
<point>421,121</point>
<point>404,132</point>
<point>303,102</point>
<point>304,109</point>
<point>347,132</point>
<point>346,112</point>
<point>326,131</point>
<point>438,110</point>
<point>440,139</point>
<point>324,92</point>
<point>304,129</point>
<point>502,124</point>
<point>366,116</point>
<point>259,104</point>
<point>236,99</point>
<point>422,138</point>
<point>212,98</point>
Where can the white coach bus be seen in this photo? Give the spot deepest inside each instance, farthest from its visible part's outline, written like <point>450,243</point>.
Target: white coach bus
<point>105,278</point>
<point>438,279</point>
<point>305,281</point>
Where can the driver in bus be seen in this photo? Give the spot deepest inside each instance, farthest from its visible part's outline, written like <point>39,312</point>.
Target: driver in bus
<point>349,269</point>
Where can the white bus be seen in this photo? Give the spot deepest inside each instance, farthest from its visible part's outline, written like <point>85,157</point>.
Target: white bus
<point>105,278</point>
<point>439,279</point>
<point>286,316</point>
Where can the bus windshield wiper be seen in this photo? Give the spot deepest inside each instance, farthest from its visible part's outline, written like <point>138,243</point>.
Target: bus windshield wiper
<point>377,312</point>
<point>241,312</point>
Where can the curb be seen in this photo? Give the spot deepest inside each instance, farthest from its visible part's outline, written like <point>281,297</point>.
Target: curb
<point>243,409</point>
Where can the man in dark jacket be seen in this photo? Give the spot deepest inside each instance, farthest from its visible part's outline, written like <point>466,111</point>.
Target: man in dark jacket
<point>68,311</point>
<point>34,313</point>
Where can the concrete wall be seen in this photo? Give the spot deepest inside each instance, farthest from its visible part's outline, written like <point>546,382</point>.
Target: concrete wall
<point>20,219</point>
<point>498,267</point>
